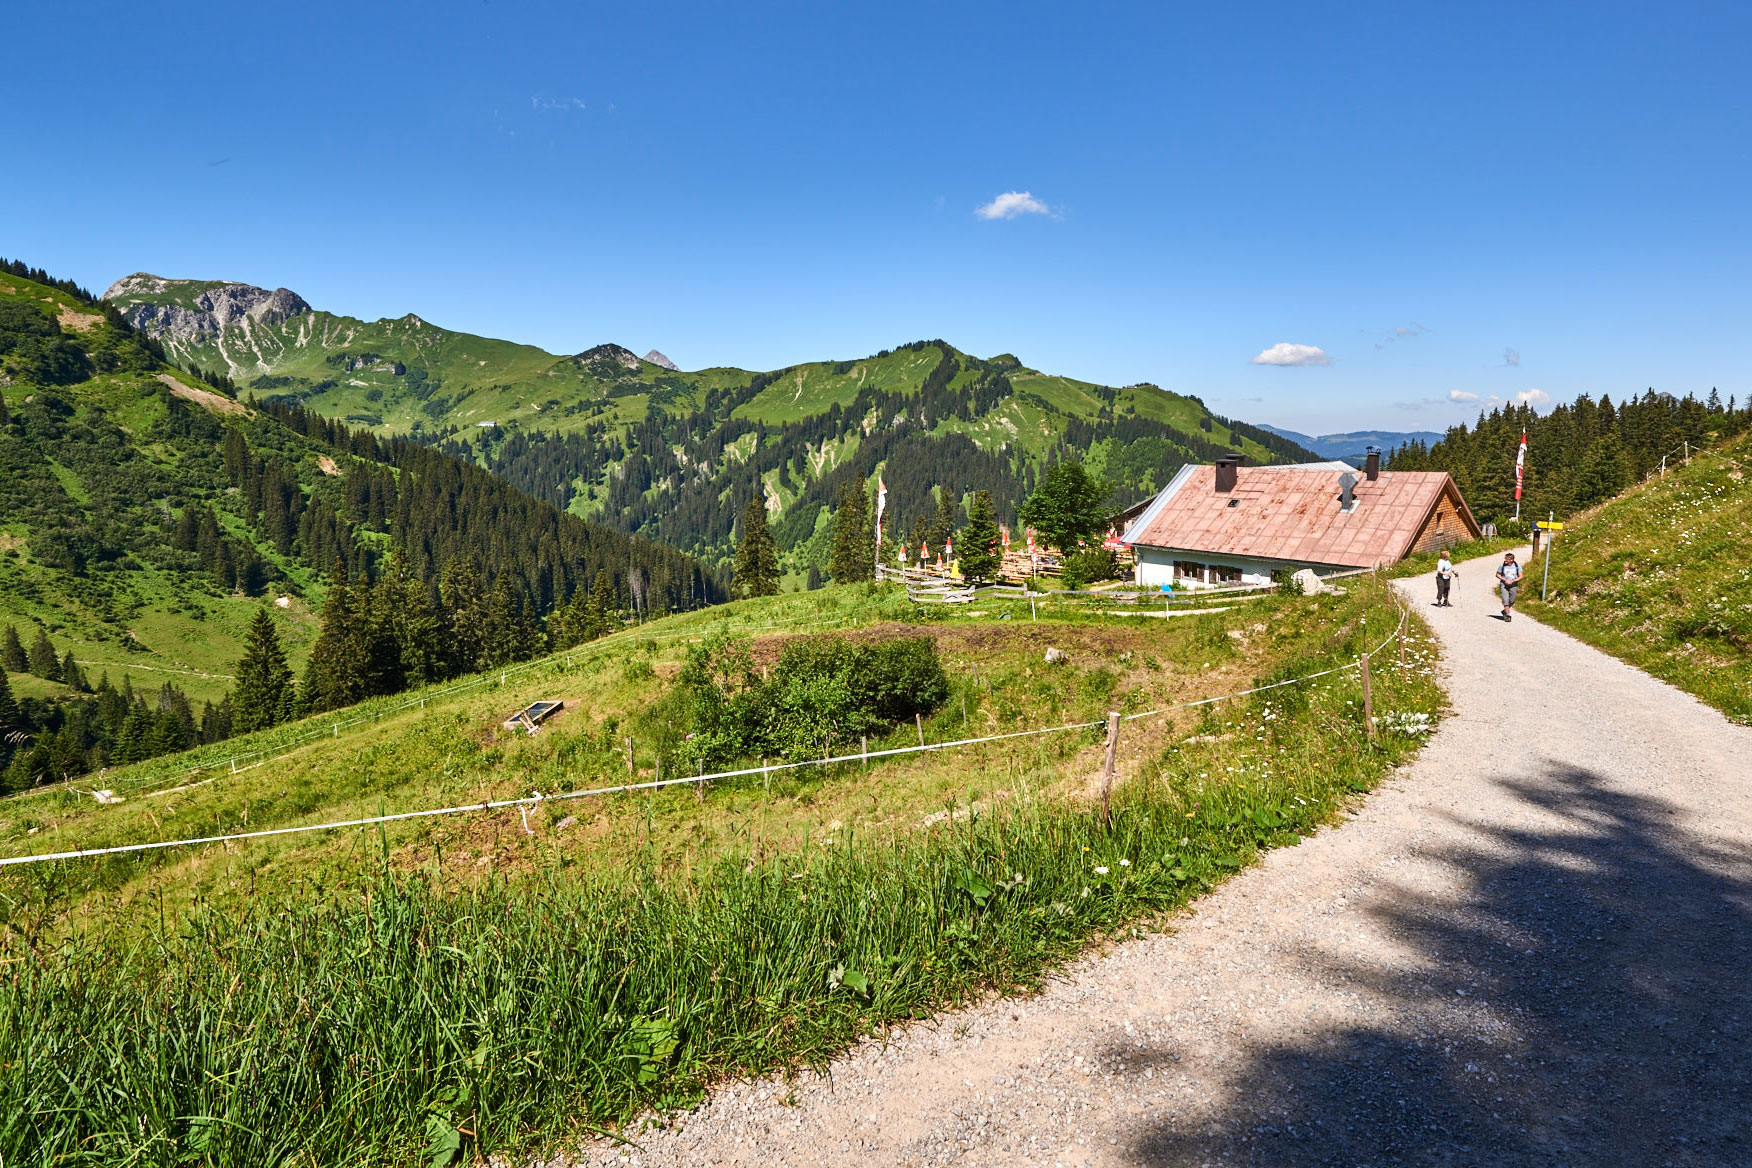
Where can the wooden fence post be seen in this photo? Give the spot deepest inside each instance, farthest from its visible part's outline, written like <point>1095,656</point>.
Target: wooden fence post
<point>629,756</point>
<point>1368,700</point>
<point>1402,644</point>
<point>1107,766</point>
<point>920,719</point>
<point>866,752</point>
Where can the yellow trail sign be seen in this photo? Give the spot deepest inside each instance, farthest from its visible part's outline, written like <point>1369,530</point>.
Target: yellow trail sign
<point>1550,526</point>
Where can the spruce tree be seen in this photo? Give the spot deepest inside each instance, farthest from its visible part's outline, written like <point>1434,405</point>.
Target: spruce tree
<point>978,551</point>
<point>12,655</point>
<point>416,624</point>
<point>71,675</point>
<point>336,674</point>
<point>854,543</point>
<point>377,610</point>
<point>8,712</point>
<point>263,694</point>
<point>43,660</point>
<point>944,522</point>
<point>757,560</point>
<point>597,622</point>
<point>465,614</point>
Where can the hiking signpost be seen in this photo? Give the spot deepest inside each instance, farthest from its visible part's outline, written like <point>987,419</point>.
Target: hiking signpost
<point>1550,527</point>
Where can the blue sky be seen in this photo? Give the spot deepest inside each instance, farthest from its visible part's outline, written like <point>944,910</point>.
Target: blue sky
<point>1481,200</point>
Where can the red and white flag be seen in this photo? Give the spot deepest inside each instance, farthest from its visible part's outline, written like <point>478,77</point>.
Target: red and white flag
<point>1004,530</point>
<point>881,504</point>
<point>924,551</point>
<point>1030,541</point>
<point>949,548</point>
<point>1520,465</point>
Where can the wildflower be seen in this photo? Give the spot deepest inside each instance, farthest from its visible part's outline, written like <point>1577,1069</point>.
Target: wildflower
<point>1125,863</point>
<point>1101,871</point>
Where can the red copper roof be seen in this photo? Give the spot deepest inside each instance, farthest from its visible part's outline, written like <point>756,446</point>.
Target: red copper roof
<point>1292,513</point>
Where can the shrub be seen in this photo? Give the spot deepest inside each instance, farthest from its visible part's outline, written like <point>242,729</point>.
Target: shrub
<point>823,689</point>
<point>1088,566</point>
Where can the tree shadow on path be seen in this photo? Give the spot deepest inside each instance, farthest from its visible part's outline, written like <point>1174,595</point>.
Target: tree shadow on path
<point>1585,1002</point>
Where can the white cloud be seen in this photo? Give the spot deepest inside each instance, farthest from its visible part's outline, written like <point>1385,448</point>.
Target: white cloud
<point>561,103</point>
<point>1511,357</point>
<point>1533,397</point>
<point>1284,353</point>
<point>1460,395</point>
<point>1011,204</point>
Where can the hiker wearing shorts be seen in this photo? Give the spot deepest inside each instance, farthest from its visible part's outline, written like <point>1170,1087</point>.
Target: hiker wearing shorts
<point>1508,580</point>
<point>1445,574</point>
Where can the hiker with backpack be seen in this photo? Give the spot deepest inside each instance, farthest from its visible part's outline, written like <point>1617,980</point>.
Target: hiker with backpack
<point>1508,580</point>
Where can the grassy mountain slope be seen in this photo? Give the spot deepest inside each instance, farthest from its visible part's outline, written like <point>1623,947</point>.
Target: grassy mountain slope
<point>1661,576</point>
<point>90,472</point>
<point>498,980</point>
<point>145,517</point>
<point>677,455</point>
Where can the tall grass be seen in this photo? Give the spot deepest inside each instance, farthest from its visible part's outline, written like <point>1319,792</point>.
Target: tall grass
<point>402,1020</point>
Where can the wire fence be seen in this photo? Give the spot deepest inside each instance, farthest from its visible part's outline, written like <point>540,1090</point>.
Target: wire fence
<point>534,801</point>
<point>567,659</point>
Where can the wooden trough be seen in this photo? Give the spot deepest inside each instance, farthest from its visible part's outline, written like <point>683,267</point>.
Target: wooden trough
<point>530,718</point>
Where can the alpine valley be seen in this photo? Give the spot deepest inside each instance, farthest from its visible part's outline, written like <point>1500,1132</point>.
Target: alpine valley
<point>641,446</point>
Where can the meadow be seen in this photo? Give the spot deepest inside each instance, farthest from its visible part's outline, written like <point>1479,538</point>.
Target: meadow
<point>1661,576</point>
<point>492,982</point>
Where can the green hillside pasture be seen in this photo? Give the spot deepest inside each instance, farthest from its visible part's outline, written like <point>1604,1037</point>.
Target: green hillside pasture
<point>803,391</point>
<point>449,989</point>
<point>1662,577</point>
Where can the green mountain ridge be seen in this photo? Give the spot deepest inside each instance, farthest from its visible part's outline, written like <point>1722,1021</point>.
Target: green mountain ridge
<point>145,517</point>
<point>677,455</point>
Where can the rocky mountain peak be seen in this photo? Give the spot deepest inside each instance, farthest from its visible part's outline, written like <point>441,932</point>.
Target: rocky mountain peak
<point>656,358</point>
<point>603,360</point>
<point>212,310</point>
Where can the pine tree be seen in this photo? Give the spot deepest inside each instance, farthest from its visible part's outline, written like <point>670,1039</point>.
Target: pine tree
<point>337,673</point>
<point>8,712</point>
<point>415,622</point>
<point>944,522</point>
<point>596,610</point>
<point>263,694</point>
<point>12,655</point>
<point>757,560</point>
<point>814,577</point>
<point>465,614</point>
<point>43,660</point>
<point>72,676</point>
<point>978,550</point>
<point>854,542</point>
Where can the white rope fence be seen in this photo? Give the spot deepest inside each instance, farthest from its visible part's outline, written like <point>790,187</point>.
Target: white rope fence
<point>532,802</point>
<point>562,660</point>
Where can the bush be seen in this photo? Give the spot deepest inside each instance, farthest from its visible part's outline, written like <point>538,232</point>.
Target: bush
<point>1088,566</point>
<point>822,691</point>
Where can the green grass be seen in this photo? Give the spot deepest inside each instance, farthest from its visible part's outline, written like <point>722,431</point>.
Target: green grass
<point>406,1001</point>
<point>1662,577</point>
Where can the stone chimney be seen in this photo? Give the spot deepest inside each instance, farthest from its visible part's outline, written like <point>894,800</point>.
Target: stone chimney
<point>1226,468</point>
<point>1372,464</point>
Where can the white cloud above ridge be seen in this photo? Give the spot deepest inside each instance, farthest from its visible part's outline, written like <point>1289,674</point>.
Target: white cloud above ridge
<point>1533,397</point>
<point>1011,204</point>
<point>1460,395</point>
<point>1284,353</point>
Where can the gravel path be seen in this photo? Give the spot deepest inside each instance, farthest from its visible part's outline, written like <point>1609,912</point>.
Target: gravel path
<point>1534,948</point>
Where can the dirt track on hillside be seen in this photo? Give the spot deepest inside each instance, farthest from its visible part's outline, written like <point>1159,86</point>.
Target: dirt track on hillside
<point>1533,948</point>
